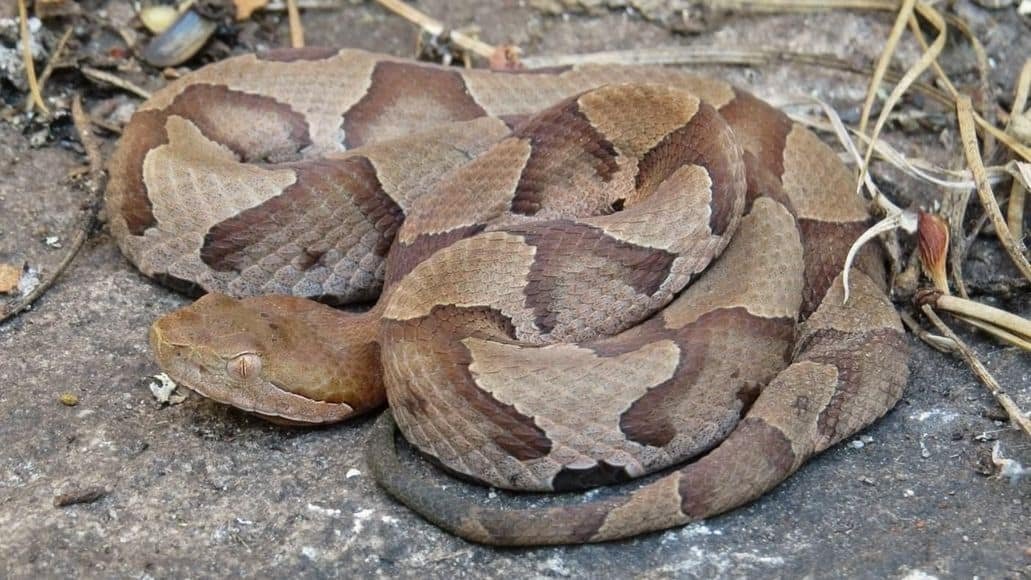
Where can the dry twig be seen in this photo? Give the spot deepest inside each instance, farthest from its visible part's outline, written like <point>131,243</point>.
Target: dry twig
<point>296,30</point>
<point>926,59</point>
<point>26,54</point>
<point>1018,193</point>
<point>87,221</point>
<point>935,341</point>
<point>1014,248</point>
<point>801,5</point>
<point>684,55</point>
<point>1017,417</point>
<point>436,28</point>
<point>904,13</point>
<point>55,56</point>
<point>106,77</point>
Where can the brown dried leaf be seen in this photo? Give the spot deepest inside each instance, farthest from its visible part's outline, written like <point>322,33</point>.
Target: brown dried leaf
<point>244,8</point>
<point>10,277</point>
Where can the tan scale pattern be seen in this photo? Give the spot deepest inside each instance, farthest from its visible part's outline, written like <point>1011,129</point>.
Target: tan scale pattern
<point>867,309</point>
<point>613,111</point>
<point>767,247</point>
<point>201,184</point>
<point>303,85</point>
<point>603,388</point>
<point>485,270</point>
<point>660,223</point>
<point>792,402</point>
<point>656,506</point>
<point>514,94</point>
<point>819,185</point>
<point>415,165</point>
<point>482,188</point>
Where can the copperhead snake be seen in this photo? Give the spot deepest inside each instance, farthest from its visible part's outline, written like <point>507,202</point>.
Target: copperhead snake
<point>581,276</point>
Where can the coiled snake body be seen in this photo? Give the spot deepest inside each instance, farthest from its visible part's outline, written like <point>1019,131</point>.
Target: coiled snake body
<point>582,276</point>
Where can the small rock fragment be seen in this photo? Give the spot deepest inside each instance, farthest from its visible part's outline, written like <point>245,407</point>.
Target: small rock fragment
<point>80,496</point>
<point>164,390</point>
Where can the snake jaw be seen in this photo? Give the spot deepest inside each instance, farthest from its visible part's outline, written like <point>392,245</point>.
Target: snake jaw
<point>268,401</point>
<point>238,379</point>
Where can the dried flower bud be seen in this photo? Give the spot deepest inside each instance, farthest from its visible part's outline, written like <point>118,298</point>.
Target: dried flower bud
<point>934,249</point>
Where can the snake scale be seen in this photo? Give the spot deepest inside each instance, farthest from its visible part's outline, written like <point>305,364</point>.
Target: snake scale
<point>580,276</point>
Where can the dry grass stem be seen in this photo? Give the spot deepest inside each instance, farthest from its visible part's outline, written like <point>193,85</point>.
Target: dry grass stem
<point>935,341</point>
<point>1015,210</point>
<point>87,221</point>
<point>55,56</point>
<point>1014,248</point>
<point>296,30</point>
<point>1021,93</point>
<point>1012,323</point>
<point>920,169</point>
<point>926,11</point>
<point>842,134</point>
<point>1015,340</point>
<point>280,5</point>
<point>926,59</point>
<point>436,28</point>
<point>106,77</point>
<point>1017,417</point>
<point>1018,192</point>
<point>986,101</point>
<point>899,220</point>
<point>801,5</point>
<point>26,55</point>
<point>903,16</point>
<point>692,55</point>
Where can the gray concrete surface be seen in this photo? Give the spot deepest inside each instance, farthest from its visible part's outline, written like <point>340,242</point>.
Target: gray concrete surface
<point>198,490</point>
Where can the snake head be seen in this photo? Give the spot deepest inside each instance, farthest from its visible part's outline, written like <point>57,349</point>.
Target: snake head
<point>285,359</point>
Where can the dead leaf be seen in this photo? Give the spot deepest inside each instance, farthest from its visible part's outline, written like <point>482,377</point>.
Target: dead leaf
<point>10,276</point>
<point>244,8</point>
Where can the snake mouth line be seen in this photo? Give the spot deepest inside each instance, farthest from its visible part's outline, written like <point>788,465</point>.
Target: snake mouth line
<point>272,403</point>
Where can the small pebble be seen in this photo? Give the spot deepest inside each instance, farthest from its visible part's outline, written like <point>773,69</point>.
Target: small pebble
<point>80,496</point>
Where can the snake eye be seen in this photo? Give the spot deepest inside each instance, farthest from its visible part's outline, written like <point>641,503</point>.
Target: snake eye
<point>244,366</point>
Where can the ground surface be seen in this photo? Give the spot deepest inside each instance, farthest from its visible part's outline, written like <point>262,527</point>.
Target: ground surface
<point>198,490</point>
